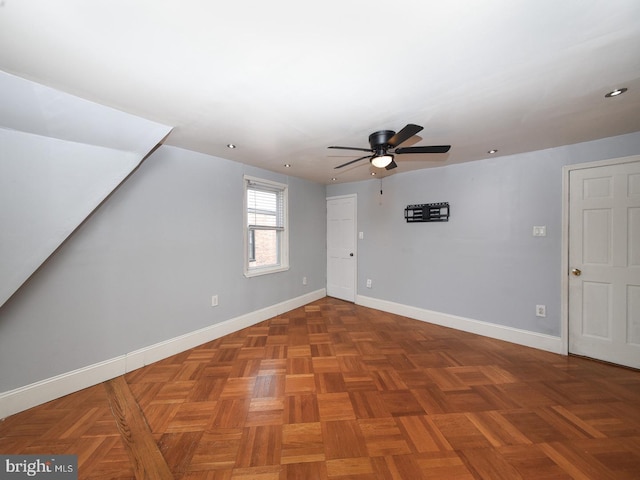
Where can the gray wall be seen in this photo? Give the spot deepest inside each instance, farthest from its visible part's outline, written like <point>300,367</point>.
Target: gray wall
<point>143,268</point>
<point>484,263</point>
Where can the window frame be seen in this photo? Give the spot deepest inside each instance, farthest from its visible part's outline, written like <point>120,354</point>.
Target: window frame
<point>281,232</point>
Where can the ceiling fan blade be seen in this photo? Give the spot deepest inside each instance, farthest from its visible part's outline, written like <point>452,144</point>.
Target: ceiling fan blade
<point>392,165</point>
<point>427,149</point>
<point>352,161</point>
<point>353,148</point>
<point>405,134</point>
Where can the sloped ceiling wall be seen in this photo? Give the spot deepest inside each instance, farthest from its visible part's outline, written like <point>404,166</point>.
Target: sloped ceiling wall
<point>60,157</point>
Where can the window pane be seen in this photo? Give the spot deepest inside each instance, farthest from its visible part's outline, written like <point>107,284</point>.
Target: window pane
<point>264,208</point>
<point>266,248</point>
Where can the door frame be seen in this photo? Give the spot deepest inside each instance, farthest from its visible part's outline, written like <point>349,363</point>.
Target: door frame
<point>354,196</point>
<point>564,281</point>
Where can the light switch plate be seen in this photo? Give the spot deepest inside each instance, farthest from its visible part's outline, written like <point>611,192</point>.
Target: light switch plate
<point>540,231</point>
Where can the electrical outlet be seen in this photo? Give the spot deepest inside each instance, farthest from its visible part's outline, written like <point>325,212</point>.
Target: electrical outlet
<point>214,300</point>
<point>368,283</point>
<point>304,280</point>
<point>541,311</point>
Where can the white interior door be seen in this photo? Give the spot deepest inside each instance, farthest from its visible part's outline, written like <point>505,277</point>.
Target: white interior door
<point>604,263</point>
<point>341,247</point>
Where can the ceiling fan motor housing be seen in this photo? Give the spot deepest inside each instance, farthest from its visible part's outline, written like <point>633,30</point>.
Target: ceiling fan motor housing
<point>380,139</point>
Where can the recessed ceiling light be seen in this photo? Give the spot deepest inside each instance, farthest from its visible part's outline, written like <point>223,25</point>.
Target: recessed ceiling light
<point>373,174</point>
<point>616,92</point>
<point>492,151</point>
<point>287,165</point>
<point>333,179</point>
<point>231,145</point>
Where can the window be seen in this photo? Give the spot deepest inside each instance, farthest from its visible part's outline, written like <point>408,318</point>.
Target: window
<point>265,227</point>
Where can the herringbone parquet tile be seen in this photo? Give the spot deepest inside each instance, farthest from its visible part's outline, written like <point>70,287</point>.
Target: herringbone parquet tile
<point>335,391</point>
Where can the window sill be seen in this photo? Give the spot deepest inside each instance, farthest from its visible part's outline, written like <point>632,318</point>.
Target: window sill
<point>256,272</point>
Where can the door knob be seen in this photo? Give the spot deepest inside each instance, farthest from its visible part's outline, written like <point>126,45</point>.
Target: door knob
<point>576,271</point>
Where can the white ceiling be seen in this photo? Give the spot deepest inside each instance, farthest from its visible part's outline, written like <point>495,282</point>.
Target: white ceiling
<point>284,79</point>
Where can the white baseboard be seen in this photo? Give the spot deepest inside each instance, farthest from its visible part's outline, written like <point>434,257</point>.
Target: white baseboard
<point>37,393</point>
<point>514,335</point>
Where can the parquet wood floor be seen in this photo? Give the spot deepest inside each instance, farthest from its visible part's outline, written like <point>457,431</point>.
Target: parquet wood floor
<point>337,391</point>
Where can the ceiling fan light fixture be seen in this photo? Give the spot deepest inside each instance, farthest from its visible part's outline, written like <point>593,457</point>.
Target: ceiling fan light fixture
<point>381,161</point>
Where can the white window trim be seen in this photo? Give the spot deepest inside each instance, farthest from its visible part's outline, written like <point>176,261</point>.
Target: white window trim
<point>284,240</point>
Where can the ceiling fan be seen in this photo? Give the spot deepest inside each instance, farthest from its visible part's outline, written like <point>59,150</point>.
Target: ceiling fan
<point>384,140</point>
